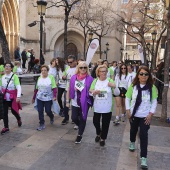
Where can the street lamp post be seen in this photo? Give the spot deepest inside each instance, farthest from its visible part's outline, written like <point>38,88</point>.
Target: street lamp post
<point>90,36</point>
<point>126,55</point>
<point>107,49</point>
<point>148,47</point>
<point>121,51</point>
<point>41,5</point>
<point>154,33</point>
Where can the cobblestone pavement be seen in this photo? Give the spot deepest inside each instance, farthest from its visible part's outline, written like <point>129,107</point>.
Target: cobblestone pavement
<point>54,149</point>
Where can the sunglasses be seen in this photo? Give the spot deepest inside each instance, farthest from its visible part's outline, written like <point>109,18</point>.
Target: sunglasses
<point>102,71</point>
<point>123,68</point>
<point>70,62</point>
<point>144,74</point>
<point>82,68</point>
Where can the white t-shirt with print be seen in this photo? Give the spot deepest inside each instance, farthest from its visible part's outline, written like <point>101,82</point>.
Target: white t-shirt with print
<point>146,106</point>
<point>74,101</point>
<point>123,82</point>
<point>69,73</point>
<point>44,86</point>
<point>13,84</point>
<point>103,102</point>
<point>61,83</point>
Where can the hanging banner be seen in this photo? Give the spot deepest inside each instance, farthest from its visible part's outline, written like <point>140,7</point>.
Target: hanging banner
<point>140,50</point>
<point>93,46</point>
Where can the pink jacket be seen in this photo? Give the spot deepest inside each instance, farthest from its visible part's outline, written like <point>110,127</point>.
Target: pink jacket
<point>13,95</point>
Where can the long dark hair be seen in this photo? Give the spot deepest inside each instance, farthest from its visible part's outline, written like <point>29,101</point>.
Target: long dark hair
<point>120,73</point>
<point>61,64</point>
<point>136,79</point>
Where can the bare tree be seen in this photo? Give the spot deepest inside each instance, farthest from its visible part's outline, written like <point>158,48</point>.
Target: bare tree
<point>166,71</point>
<point>83,17</point>
<point>102,21</point>
<point>68,5</point>
<point>141,19</point>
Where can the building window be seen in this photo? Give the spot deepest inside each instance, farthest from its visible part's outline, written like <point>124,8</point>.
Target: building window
<point>125,1</point>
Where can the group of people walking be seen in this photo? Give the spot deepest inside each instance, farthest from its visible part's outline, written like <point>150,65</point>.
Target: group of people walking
<point>134,94</point>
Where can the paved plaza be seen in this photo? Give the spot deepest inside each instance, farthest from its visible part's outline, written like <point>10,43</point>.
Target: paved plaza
<point>54,149</point>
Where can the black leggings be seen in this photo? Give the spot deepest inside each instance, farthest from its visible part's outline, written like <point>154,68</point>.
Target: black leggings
<point>60,93</point>
<point>135,123</point>
<point>8,104</point>
<point>104,128</point>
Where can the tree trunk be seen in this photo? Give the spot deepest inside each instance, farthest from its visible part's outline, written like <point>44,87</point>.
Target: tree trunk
<point>4,49</point>
<point>144,51</point>
<point>85,36</point>
<point>65,33</point>
<point>100,46</point>
<point>166,72</point>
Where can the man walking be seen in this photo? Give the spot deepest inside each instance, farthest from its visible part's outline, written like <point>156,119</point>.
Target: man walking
<point>24,58</point>
<point>17,54</point>
<point>68,73</point>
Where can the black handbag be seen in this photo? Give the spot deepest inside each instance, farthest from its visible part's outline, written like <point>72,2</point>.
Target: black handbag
<point>2,100</point>
<point>122,92</point>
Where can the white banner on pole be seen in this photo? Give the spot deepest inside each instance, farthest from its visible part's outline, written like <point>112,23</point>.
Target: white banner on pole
<point>140,50</point>
<point>93,46</point>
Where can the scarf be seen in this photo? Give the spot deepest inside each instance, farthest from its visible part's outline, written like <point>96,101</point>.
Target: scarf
<point>81,77</point>
<point>139,96</point>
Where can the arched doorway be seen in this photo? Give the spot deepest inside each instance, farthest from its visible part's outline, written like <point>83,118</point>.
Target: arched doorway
<point>10,22</point>
<point>72,50</point>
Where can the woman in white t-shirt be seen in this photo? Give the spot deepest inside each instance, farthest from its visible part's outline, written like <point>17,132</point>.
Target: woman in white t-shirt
<point>45,93</point>
<point>141,102</point>
<point>121,80</point>
<point>53,69</point>
<point>101,89</point>
<point>61,84</point>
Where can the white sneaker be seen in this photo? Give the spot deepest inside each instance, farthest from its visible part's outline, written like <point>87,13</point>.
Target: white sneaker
<point>76,127</point>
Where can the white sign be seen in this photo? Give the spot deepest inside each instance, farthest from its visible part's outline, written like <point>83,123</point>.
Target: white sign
<point>93,46</point>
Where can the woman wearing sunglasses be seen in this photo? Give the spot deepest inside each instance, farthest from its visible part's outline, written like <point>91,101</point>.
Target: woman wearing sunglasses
<point>78,92</point>
<point>121,80</point>
<point>101,89</point>
<point>141,102</point>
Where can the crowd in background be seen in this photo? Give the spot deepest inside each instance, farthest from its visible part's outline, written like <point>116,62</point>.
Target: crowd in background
<point>72,83</point>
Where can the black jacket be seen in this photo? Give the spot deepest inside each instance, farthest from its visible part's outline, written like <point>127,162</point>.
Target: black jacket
<point>1,105</point>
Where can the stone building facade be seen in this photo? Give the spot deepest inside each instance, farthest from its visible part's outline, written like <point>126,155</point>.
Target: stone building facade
<point>17,14</point>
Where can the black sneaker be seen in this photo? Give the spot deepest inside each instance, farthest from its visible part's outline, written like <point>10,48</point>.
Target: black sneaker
<point>64,122</point>
<point>78,139</point>
<point>4,130</point>
<point>97,139</point>
<point>102,143</point>
<point>19,123</point>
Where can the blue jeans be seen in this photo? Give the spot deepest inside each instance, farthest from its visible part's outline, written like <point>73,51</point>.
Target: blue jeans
<point>47,105</point>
